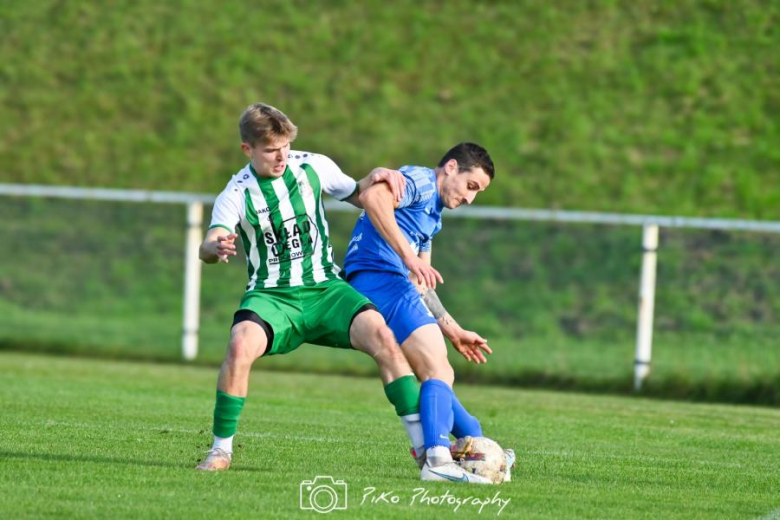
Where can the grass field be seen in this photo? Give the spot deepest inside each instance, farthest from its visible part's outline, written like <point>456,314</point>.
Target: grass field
<point>86,438</point>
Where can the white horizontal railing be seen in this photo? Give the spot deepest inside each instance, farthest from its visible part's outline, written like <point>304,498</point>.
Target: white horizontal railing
<point>194,201</point>
<point>485,212</point>
<point>69,192</point>
<point>595,217</point>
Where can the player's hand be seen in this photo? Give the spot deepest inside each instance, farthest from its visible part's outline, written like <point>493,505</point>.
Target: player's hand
<point>226,247</point>
<point>423,271</point>
<point>471,346</point>
<point>394,179</point>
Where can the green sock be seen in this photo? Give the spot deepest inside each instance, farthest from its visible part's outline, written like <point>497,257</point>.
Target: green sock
<point>404,393</point>
<point>226,413</point>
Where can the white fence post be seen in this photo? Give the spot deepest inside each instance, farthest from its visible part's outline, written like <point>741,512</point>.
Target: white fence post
<point>192,266</point>
<point>644,331</point>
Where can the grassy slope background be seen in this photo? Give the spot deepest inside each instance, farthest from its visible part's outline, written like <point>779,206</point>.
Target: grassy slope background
<point>622,106</point>
<point>633,106</point>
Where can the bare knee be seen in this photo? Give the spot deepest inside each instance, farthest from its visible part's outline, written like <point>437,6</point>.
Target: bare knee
<point>244,349</point>
<point>387,350</point>
<point>386,339</point>
<point>444,373</point>
<point>387,354</point>
<point>370,334</point>
<point>434,368</point>
<point>239,352</point>
<point>427,353</point>
<point>448,375</point>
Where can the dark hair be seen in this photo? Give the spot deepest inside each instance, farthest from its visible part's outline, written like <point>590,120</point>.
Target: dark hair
<point>470,155</point>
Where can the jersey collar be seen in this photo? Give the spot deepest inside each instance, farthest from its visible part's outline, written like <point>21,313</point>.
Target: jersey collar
<point>268,179</point>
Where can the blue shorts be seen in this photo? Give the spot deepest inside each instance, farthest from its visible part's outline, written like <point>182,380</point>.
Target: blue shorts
<point>396,298</point>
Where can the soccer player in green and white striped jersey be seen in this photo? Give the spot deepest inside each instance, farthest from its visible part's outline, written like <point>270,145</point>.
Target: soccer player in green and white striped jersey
<point>274,204</point>
<point>289,246</point>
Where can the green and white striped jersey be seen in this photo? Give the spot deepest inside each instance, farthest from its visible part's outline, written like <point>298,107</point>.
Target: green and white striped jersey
<point>281,221</point>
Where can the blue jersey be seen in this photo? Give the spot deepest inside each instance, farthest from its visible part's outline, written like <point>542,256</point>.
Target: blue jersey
<point>418,215</point>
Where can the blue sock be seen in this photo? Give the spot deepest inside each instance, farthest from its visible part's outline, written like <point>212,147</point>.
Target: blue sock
<point>436,412</point>
<point>464,423</point>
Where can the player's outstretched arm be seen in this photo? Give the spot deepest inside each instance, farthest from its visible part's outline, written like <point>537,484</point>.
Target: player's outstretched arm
<point>394,179</point>
<point>380,208</point>
<point>471,345</point>
<point>218,245</point>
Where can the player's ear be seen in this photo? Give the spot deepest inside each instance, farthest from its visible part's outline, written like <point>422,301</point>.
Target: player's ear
<point>451,167</point>
<point>247,149</point>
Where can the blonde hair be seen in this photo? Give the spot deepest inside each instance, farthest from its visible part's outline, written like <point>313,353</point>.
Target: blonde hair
<point>261,123</point>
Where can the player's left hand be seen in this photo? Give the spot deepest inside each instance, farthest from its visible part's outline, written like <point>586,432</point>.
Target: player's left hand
<point>471,346</point>
<point>394,179</point>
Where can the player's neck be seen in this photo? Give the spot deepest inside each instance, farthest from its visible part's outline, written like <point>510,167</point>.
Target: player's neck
<point>439,177</point>
<point>262,174</point>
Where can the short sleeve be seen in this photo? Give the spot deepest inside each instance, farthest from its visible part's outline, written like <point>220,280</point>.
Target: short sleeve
<point>419,187</point>
<point>334,181</point>
<point>410,193</point>
<point>227,208</point>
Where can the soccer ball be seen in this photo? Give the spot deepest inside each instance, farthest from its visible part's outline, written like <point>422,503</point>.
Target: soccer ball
<point>481,456</point>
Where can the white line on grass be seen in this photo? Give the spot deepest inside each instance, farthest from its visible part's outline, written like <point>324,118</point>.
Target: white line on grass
<point>256,435</point>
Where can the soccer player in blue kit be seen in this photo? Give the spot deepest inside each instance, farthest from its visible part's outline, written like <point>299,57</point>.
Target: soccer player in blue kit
<point>389,261</point>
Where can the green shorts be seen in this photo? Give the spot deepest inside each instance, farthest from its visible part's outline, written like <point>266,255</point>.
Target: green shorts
<point>320,314</point>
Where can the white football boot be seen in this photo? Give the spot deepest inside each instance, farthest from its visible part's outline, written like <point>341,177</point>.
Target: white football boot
<point>216,460</point>
<point>439,467</point>
<point>450,472</point>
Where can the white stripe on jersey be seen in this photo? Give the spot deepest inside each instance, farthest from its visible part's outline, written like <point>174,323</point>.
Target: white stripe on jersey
<point>258,201</point>
<point>321,209</point>
<point>254,257</point>
<point>309,202</point>
<point>287,212</point>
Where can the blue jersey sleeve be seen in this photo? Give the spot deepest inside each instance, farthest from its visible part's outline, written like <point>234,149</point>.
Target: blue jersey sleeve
<point>419,187</point>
